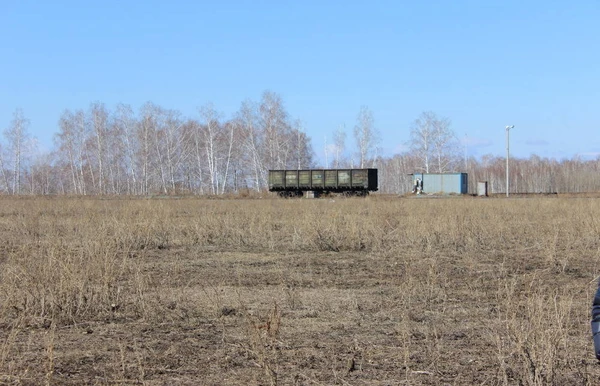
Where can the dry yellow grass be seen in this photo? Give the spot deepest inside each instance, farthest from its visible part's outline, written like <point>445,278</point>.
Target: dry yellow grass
<point>455,291</point>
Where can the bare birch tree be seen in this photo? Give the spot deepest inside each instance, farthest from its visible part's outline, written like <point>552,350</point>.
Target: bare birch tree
<point>301,143</point>
<point>421,138</point>
<point>173,139</point>
<point>16,135</point>
<point>366,135</point>
<point>3,170</point>
<point>252,140</point>
<point>125,123</point>
<point>146,155</point>
<point>197,154</point>
<point>99,125</point>
<point>65,142</point>
<point>231,129</point>
<point>82,153</point>
<point>445,145</point>
<point>432,140</point>
<point>72,151</point>
<point>339,143</point>
<point>275,126</point>
<point>210,132</point>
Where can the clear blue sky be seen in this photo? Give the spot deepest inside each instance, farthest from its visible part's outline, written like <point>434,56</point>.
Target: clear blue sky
<point>483,64</point>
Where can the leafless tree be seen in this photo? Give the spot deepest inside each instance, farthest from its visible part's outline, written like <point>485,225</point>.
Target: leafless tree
<point>83,157</point>
<point>124,128</point>
<point>160,147</point>
<point>421,138</point>
<point>72,150</point>
<point>252,138</point>
<point>210,130</point>
<point>339,143</point>
<point>303,149</point>
<point>99,126</point>
<point>231,131</point>
<point>276,128</point>
<point>366,135</point>
<point>196,151</point>
<point>146,155</point>
<point>174,140</point>
<point>39,172</point>
<point>17,134</point>
<point>3,170</point>
<point>65,141</point>
<point>445,145</point>
<point>432,140</point>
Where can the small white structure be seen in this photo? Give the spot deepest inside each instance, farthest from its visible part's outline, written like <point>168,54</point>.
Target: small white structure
<point>482,188</point>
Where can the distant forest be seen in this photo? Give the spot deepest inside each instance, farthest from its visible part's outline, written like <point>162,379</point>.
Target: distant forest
<point>157,151</point>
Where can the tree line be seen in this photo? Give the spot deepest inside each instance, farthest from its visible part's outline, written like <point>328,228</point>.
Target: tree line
<point>155,150</point>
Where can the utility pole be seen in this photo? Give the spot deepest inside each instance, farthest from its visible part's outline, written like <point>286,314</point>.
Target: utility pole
<point>466,159</point>
<point>507,153</point>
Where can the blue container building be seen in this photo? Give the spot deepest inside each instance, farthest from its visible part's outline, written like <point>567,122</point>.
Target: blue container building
<point>441,183</point>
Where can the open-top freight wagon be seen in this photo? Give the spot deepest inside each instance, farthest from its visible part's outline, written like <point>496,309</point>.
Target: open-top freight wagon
<point>291,183</point>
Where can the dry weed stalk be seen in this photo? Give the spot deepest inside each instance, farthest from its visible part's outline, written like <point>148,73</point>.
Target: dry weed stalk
<point>49,364</point>
<point>262,333</point>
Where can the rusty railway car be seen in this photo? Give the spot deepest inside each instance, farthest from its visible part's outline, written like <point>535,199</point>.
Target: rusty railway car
<point>290,183</point>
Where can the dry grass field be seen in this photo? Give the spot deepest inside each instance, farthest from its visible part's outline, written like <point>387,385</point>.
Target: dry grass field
<point>375,291</point>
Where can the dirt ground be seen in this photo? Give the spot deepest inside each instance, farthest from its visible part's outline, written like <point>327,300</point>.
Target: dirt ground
<point>208,313</point>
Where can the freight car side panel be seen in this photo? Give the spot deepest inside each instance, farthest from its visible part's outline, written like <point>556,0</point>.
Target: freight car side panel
<point>359,178</point>
<point>291,179</point>
<point>331,178</point>
<point>318,179</point>
<point>304,178</point>
<point>276,178</point>
<point>344,178</point>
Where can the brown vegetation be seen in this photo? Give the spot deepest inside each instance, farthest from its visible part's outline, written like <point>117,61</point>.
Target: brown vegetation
<point>308,292</point>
